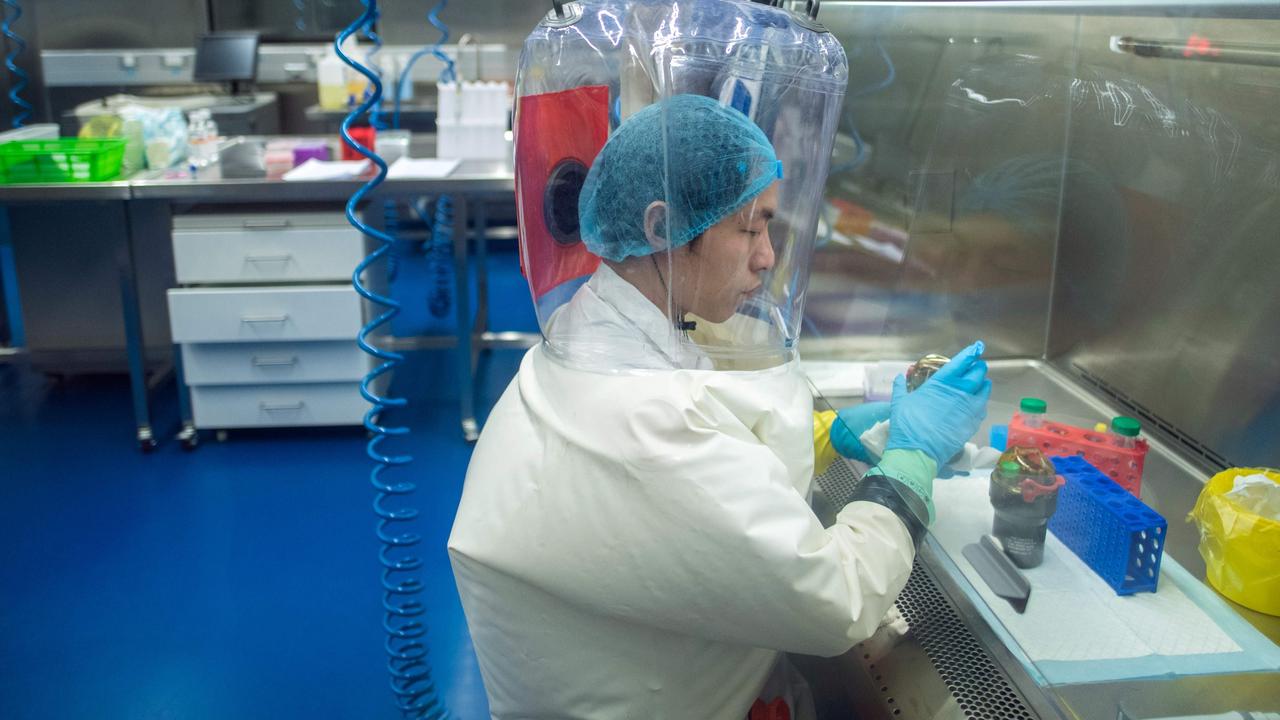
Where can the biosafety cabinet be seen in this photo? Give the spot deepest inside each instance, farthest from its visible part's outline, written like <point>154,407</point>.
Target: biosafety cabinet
<point>1093,189</point>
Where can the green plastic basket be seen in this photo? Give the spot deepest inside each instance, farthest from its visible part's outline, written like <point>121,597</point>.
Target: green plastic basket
<point>60,161</point>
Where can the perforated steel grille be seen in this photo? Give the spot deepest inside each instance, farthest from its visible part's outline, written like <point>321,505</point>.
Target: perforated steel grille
<point>837,483</point>
<point>977,683</point>
<point>980,688</point>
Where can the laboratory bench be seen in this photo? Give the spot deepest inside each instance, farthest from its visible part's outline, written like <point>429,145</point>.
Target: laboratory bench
<point>60,192</point>
<point>960,660</point>
<point>473,186</point>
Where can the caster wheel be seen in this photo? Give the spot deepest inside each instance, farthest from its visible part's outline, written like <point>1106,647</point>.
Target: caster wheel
<point>146,444</point>
<point>220,436</point>
<point>190,442</point>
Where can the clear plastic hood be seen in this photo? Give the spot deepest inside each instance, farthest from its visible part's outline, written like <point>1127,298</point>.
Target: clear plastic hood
<point>670,163</point>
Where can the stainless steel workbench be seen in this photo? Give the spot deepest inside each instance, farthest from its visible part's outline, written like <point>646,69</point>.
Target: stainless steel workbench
<point>64,192</point>
<point>472,185</point>
<point>953,664</point>
<point>476,179</point>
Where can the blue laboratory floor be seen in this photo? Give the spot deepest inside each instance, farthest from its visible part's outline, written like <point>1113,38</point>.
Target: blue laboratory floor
<point>236,581</point>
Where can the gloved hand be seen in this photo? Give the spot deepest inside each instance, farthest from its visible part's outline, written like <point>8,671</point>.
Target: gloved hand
<point>849,425</point>
<point>941,415</point>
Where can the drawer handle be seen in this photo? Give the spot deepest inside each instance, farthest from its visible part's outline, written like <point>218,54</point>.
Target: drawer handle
<point>274,362</point>
<point>268,258</point>
<point>265,224</point>
<point>280,407</point>
<point>266,319</point>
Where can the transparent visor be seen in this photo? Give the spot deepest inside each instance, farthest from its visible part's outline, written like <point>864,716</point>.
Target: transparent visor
<point>670,162</point>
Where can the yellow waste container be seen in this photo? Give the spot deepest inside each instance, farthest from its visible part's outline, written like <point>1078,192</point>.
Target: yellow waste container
<point>1241,549</point>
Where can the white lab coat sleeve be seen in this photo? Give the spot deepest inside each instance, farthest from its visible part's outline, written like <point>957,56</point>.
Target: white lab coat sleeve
<point>692,526</point>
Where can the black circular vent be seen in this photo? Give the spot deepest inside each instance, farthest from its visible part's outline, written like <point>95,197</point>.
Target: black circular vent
<point>560,204</point>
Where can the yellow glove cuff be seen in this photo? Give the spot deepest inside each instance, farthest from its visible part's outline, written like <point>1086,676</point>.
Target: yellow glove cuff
<point>823,452</point>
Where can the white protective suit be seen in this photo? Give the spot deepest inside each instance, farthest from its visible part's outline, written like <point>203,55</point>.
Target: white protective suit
<point>639,545</point>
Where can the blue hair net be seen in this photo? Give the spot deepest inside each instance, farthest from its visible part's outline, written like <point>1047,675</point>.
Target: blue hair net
<point>704,160</point>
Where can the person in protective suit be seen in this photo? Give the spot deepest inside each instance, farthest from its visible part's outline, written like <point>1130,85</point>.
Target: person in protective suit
<point>634,538</point>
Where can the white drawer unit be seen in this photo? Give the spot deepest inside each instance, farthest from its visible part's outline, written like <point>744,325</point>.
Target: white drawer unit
<point>283,362</point>
<point>304,312</point>
<point>266,320</point>
<point>253,256</point>
<point>304,247</point>
<point>246,406</point>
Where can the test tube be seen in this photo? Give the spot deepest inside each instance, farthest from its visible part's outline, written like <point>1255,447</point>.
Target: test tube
<point>1032,411</point>
<point>1124,431</point>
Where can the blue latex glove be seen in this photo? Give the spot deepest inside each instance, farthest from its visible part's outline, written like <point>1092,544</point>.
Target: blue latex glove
<point>850,423</point>
<point>941,415</point>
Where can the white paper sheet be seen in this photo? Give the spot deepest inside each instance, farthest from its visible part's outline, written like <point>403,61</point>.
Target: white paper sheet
<point>1073,615</point>
<point>314,169</point>
<point>423,168</point>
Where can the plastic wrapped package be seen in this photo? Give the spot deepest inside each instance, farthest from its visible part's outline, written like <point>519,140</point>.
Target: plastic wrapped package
<point>655,75</point>
<point>1240,546</point>
<point>163,133</point>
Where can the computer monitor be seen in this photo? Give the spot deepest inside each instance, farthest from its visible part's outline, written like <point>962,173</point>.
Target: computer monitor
<point>227,57</point>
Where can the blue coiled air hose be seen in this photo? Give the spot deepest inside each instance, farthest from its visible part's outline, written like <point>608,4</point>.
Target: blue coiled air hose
<point>377,118</point>
<point>440,241</point>
<point>404,619</point>
<point>16,47</point>
<point>439,249</point>
<point>446,75</point>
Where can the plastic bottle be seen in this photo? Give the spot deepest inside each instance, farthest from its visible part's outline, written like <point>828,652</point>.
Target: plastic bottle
<point>1024,495</point>
<point>1031,410</point>
<point>331,81</point>
<point>195,143</point>
<point>1124,431</point>
<point>134,149</point>
<point>338,85</point>
<point>355,83</point>
<point>202,136</point>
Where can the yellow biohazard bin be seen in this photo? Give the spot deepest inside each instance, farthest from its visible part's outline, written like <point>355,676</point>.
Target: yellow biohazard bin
<point>1241,549</point>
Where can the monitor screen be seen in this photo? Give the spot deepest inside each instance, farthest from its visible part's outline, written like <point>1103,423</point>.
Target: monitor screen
<point>223,57</point>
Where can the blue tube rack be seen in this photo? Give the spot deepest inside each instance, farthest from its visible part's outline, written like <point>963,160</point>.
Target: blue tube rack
<point>1113,532</point>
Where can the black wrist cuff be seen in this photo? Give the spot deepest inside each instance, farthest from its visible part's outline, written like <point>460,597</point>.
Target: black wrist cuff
<point>895,496</point>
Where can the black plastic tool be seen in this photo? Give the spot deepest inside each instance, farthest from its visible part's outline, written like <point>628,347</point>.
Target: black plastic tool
<point>999,572</point>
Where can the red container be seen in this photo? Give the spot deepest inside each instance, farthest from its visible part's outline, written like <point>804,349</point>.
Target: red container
<point>365,135</point>
<point>1121,464</point>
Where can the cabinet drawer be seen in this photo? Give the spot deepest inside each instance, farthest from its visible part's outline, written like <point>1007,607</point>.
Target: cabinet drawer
<point>282,362</point>
<point>266,253</point>
<point>305,312</point>
<point>240,406</point>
